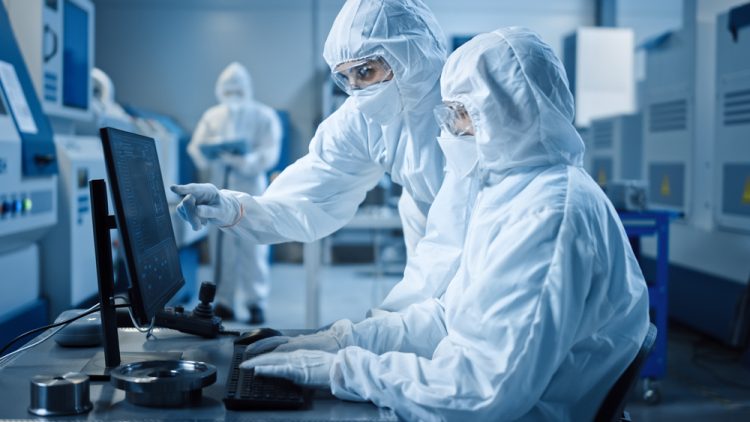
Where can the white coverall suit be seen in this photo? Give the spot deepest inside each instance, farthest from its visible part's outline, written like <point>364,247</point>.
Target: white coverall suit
<point>350,151</point>
<point>392,131</point>
<point>548,305</point>
<point>243,262</point>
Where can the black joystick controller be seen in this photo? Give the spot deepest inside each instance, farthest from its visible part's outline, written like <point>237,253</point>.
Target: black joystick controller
<point>201,321</point>
<point>206,296</point>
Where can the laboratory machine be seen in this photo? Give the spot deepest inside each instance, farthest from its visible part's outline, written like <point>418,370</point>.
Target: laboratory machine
<point>733,119</point>
<point>689,87</point>
<point>28,190</point>
<point>56,38</point>
<point>615,145</point>
<point>668,122</point>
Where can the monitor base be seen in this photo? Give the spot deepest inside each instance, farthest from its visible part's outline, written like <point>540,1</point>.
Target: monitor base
<point>97,370</point>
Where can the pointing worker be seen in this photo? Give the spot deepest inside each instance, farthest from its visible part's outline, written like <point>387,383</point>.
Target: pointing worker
<point>387,54</point>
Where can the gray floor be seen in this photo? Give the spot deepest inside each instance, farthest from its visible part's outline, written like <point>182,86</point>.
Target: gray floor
<point>705,381</point>
<point>347,291</point>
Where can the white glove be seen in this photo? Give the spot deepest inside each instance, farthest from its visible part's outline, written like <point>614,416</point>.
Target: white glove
<point>324,341</point>
<point>335,338</point>
<point>304,367</point>
<point>204,203</point>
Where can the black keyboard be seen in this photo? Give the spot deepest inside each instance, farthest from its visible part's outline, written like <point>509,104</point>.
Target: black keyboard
<point>245,391</point>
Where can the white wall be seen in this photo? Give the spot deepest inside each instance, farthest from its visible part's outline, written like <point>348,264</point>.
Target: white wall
<point>647,18</point>
<point>553,20</point>
<point>165,55</point>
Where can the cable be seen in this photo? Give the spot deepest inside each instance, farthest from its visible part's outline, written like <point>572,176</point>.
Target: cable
<point>57,324</point>
<point>60,325</point>
<point>29,346</point>
<point>138,327</point>
<point>89,311</point>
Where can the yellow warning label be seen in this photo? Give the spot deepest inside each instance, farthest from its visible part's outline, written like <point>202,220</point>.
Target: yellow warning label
<point>601,177</point>
<point>746,192</point>
<point>665,190</point>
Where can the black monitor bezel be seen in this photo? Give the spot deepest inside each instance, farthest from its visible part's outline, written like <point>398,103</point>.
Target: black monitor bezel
<point>142,315</point>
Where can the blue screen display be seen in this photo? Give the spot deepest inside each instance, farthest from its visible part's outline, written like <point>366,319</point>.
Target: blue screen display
<point>75,56</point>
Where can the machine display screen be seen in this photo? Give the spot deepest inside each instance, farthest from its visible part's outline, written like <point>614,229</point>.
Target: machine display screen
<point>143,220</point>
<point>76,56</point>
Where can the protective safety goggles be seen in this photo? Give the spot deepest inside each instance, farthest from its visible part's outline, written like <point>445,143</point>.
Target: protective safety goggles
<point>453,118</point>
<point>233,92</point>
<point>359,74</point>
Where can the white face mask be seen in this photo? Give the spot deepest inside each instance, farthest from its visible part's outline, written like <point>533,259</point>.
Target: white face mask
<point>460,153</point>
<point>380,102</point>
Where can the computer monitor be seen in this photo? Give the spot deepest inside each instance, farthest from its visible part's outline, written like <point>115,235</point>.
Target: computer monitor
<point>151,260</point>
<point>143,220</point>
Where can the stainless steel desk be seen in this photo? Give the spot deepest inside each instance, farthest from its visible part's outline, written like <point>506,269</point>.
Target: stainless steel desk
<point>109,402</point>
<point>377,219</point>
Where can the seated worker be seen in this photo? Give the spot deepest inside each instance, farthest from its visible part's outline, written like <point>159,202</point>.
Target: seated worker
<point>548,306</point>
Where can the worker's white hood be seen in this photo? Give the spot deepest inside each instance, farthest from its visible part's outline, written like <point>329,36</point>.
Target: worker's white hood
<point>234,78</point>
<point>516,92</point>
<point>403,32</point>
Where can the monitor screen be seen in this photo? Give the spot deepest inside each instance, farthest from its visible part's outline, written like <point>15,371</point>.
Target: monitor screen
<point>76,56</point>
<point>143,219</point>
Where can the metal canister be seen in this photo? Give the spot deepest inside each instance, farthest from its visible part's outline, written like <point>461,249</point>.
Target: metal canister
<point>58,395</point>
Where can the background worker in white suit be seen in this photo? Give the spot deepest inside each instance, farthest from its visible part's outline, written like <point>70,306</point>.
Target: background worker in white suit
<point>243,264</point>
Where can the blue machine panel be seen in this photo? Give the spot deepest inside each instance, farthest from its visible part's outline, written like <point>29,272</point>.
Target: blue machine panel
<point>38,149</point>
<point>75,57</point>
<point>602,170</point>
<point>667,184</point>
<point>736,182</point>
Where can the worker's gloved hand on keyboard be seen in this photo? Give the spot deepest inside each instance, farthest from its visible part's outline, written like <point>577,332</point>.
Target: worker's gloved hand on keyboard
<point>337,337</point>
<point>203,203</point>
<point>305,367</point>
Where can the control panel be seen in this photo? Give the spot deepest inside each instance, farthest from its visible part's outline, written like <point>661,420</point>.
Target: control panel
<point>27,204</point>
<point>56,39</point>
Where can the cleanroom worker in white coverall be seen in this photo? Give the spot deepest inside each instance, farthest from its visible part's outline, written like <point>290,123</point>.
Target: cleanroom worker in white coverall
<point>242,266</point>
<point>387,54</point>
<point>548,305</point>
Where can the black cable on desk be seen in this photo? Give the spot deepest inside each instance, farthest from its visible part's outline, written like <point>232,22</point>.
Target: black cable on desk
<point>46,327</point>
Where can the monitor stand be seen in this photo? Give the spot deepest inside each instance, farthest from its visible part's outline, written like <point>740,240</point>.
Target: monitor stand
<point>99,366</point>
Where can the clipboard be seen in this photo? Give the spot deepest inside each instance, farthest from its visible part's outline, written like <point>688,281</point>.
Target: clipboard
<point>213,151</point>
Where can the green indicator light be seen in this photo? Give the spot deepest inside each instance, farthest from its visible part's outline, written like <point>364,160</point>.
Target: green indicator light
<point>27,204</point>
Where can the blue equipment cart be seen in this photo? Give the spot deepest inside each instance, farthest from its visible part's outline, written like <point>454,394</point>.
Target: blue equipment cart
<point>653,223</point>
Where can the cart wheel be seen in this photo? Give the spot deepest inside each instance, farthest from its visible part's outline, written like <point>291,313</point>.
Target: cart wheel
<point>651,391</point>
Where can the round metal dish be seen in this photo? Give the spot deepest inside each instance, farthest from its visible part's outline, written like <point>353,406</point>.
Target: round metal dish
<point>163,383</point>
<point>58,395</point>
